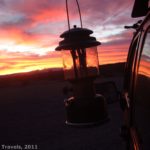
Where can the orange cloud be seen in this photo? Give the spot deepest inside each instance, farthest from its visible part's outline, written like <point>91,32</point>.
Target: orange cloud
<point>54,15</point>
<point>18,62</point>
<point>13,62</point>
<point>15,35</point>
<point>112,54</point>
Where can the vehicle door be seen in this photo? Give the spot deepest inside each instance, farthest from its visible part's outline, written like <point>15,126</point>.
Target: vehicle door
<point>141,98</point>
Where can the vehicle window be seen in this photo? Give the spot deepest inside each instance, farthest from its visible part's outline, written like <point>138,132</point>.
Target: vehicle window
<point>129,64</point>
<point>142,94</point>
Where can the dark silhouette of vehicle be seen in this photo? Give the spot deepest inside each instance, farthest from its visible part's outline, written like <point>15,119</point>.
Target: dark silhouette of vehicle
<point>135,100</point>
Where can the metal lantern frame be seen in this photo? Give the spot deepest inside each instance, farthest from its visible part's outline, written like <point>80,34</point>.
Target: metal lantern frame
<point>84,107</point>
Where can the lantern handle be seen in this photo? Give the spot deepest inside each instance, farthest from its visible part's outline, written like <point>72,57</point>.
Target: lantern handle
<point>68,13</point>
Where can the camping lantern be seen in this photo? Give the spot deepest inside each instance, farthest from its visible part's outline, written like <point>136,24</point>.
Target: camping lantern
<point>81,67</point>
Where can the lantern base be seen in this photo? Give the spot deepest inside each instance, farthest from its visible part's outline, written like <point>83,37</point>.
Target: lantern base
<point>87,124</point>
<point>86,111</point>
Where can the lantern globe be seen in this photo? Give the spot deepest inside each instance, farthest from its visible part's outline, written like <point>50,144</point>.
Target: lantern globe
<point>79,51</point>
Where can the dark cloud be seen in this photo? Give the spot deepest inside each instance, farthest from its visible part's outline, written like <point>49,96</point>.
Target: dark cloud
<point>32,6</point>
<point>117,42</point>
<point>94,13</point>
<point>19,23</point>
<point>2,3</point>
<point>106,11</point>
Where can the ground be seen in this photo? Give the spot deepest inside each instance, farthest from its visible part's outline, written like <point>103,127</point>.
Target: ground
<point>35,115</point>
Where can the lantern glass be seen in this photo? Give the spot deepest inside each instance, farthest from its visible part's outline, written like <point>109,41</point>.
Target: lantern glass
<point>80,63</point>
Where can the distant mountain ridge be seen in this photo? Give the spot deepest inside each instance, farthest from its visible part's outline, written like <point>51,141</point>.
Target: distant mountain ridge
<point>22,79</point>
<point>116,69</point>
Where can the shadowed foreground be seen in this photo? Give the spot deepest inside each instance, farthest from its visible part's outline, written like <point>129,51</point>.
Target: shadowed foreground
<point>35,114</point>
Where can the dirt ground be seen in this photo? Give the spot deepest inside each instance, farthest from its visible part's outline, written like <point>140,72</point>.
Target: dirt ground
<point>34,115</point>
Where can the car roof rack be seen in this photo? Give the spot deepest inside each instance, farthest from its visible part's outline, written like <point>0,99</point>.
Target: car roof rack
<point>140,8</point>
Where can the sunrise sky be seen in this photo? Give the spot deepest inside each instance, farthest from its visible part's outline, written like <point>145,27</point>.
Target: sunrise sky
<point>30,29</point>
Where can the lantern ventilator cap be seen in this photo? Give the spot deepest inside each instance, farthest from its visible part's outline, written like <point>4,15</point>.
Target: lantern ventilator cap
<point>77,38</point>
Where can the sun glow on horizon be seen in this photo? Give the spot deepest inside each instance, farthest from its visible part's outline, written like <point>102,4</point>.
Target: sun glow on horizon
<point>29,68</point>
<point>16,62</point>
